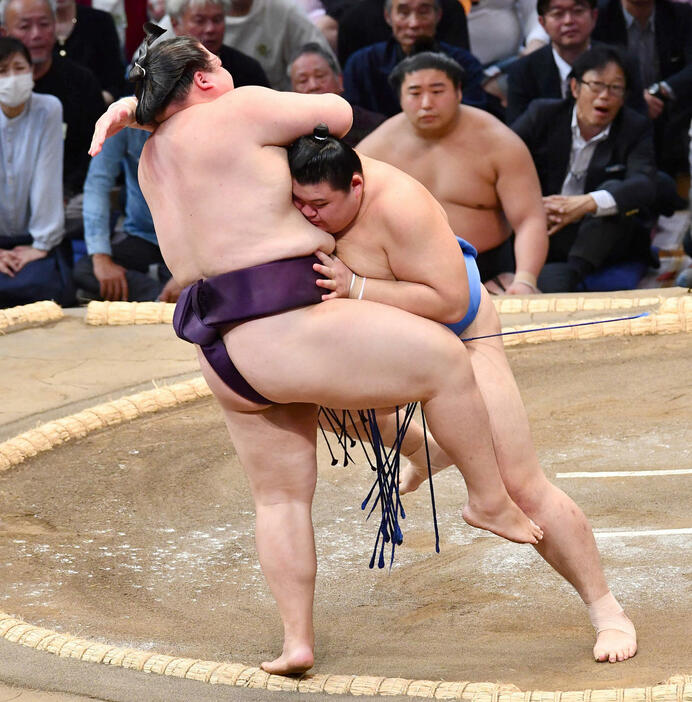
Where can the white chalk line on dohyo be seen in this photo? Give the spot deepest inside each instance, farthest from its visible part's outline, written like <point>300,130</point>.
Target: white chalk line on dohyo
<point>608,534</point>
<point>625,473</point>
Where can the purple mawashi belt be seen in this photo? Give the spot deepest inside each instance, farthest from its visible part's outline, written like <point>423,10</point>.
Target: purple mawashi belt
<point>238,296</point>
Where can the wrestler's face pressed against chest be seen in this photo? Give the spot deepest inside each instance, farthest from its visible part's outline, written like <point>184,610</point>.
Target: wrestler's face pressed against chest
<point>430,101</point>
<point>328,209</point>
<point>599,96</point>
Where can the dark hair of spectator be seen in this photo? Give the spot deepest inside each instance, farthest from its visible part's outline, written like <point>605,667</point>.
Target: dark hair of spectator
<point>10,46</point>
<point>163,74</point>
<point>313,47</point>
<point>426,60</point>
<point>597,59</point>
<point>542,6</point>
<point>388,5</point>
<point>319,157</point>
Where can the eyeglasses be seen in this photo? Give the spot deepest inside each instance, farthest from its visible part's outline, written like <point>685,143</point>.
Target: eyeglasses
<point>597,87</point>
<point>558,14</point>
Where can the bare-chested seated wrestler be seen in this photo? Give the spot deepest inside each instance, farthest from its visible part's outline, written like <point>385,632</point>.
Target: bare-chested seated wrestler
<point>219,190</point>
<point>385,253</point>
<point>474,165</point>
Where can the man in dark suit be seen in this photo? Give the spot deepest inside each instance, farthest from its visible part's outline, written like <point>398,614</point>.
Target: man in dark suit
<point>659,34</point>
<point>595,162</point>
<point>544,73</point>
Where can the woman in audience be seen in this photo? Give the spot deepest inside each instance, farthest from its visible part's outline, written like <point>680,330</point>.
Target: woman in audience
<point>31,205</point>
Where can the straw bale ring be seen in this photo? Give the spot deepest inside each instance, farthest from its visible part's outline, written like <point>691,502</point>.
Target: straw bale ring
<point>35,313</point>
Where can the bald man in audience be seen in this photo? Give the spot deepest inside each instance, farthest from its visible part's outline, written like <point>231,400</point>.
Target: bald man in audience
<point>473,164</point>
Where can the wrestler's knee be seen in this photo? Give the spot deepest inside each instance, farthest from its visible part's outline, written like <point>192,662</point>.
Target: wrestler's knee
<point>451,368</point>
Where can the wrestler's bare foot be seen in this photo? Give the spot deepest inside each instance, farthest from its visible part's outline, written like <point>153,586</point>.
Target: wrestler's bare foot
<point>505,519</point>
<point>411,476</point>
<point>414,471</point>
<point>291,662</point>
<point>616,638</point>
<point>614,646</point>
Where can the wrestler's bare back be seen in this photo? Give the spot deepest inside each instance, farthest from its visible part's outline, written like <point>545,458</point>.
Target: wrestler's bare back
<point>460,169</point>
<point>227,200</point>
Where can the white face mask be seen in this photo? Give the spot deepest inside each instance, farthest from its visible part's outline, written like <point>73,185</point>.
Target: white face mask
<point>15,90</point>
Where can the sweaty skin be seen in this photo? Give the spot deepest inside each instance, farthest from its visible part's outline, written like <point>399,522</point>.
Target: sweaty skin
<point>219,190</point>
<point>476,167</point>
<point>370,242</point>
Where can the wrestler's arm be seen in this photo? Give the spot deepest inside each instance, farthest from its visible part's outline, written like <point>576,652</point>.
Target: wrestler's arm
<point>279,118</point>
<point>519,192</point>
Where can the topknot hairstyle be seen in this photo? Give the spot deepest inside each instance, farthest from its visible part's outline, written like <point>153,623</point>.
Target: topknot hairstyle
<point>163,73</point>
<point>321,157</point>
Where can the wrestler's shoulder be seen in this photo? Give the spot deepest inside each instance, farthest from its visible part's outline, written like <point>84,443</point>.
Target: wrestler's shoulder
<point>484,128</point>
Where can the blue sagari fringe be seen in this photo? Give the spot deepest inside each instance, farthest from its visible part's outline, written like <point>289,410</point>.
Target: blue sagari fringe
<point>385,462</point>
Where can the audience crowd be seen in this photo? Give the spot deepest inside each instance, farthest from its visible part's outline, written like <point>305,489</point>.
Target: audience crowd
<point>554,133</point>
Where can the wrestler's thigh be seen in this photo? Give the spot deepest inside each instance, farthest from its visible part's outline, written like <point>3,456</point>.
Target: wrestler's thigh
<point>276,448</point>
<point>345,353</point>
<point>508,419</point>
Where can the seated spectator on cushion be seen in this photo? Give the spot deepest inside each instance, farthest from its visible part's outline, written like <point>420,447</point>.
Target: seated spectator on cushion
<point>31,207</point>
<point>366,73</point>
<point>595,161</point>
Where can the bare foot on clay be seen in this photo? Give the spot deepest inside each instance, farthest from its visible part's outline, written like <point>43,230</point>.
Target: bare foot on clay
<point>614,646</point>
<point>507,520</point>
<point>292,662</point>
<point>616,638</point>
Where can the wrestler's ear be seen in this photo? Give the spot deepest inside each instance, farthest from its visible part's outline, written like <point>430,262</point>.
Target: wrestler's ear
<point>357,183</point>
<point>203,80</point>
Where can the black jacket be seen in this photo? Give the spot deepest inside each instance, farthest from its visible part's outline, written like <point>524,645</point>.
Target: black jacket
<point>673,27</point>
<point>537,76</point>
<point>623,164</point>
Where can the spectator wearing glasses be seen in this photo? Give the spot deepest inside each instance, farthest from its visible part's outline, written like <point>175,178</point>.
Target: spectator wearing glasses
<point>595,161</point>
<point>545,73</point>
